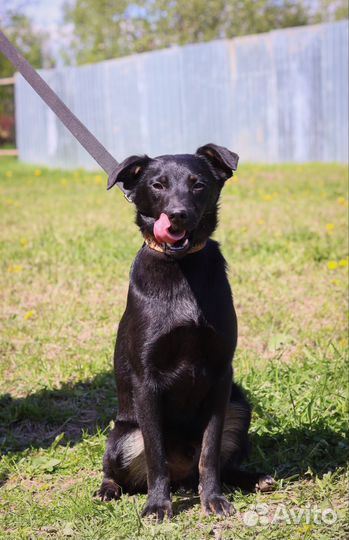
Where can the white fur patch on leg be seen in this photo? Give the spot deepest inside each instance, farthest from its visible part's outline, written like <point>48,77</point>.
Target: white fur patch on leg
<point>133,457</point>
<point>132,446</point>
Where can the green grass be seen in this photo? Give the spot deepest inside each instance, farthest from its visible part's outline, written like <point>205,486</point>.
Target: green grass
<point>66,248</point>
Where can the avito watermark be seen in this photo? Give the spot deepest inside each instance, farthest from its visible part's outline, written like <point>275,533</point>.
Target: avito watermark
<point>263,514</point>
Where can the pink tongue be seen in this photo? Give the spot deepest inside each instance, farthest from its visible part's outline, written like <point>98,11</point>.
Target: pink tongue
<point>162,233</point>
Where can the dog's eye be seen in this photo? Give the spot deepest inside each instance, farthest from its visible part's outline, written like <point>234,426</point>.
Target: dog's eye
<point>157,185</point>
<point>198,186</point>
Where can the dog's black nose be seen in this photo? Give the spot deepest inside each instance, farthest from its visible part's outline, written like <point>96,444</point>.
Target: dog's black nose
<point>177,216</point>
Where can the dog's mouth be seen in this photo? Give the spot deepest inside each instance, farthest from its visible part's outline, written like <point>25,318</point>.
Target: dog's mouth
<point>179,245</point>
<point>174,239</point>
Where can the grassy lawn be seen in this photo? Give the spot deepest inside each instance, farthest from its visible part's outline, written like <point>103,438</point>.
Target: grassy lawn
<point>66,248</point>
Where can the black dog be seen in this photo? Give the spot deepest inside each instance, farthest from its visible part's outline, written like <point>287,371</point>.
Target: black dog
<point>181,420</point>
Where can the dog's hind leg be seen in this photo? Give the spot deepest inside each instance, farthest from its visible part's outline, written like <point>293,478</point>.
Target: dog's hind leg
<point>109,490</point>
<point>124,463</point>
<point>235,446</point>
<point>246,481</point>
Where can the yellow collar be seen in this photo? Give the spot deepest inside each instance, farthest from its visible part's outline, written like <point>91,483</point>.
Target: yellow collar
<point>152,243</point>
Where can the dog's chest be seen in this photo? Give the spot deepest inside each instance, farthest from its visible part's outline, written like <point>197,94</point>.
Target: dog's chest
<point>184,322</point>
<point>188,358</point>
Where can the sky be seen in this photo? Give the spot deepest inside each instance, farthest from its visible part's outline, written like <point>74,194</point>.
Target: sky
<point>42,12</point>
<point>45,10</point>
<point>46,15</point>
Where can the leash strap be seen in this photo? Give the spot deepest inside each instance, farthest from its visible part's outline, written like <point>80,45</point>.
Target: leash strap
<point>71,122</point>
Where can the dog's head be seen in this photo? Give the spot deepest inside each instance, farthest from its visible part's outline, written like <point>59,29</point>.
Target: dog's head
<point>176,196</point>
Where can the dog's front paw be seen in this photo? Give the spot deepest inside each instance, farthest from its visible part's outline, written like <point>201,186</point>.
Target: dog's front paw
<point>108,491</point>
<point>265,483</point>
<point>216,504</point>
<point>159,509</point>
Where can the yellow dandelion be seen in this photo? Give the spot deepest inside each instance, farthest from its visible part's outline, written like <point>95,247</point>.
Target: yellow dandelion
<point>342,201</point>
<point>98,179</point>
<point>260,221</point>
<point>267,197</point>
<point>15,268</point>
<point>29,314</point>
<point>37,172</point>
<point>343,263</point>
<point>332,265</point>
<point>64,182</point>
<point>9,202</point>
<point>335,282</point>
<point>329,228</point>
<point>23,241</point>
<point>304,528</point>
<point>8,174</point>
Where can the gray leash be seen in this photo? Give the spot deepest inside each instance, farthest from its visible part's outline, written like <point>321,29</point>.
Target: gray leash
<point>71,122</point>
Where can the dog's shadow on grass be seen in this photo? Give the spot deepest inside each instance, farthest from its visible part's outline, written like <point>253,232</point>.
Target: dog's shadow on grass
<point>37,419</point>
<point>85,407</point>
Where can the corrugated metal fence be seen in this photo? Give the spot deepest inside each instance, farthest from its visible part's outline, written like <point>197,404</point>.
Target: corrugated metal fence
<point>280,96</point>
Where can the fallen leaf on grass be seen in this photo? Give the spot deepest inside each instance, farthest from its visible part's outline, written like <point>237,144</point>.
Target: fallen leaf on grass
<point>43,463</point>
<point>68,530</point>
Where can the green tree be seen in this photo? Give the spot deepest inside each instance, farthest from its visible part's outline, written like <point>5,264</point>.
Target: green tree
<point>329,10</point>
<point>106,29</point>
<point>215,19</point>
<point>32,44</point>
<point>19,30</point>
<point>109,28</point>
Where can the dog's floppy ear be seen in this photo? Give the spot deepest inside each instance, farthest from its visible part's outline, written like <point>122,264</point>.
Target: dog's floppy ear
<point>127,173</point>
<point>222,160</point>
